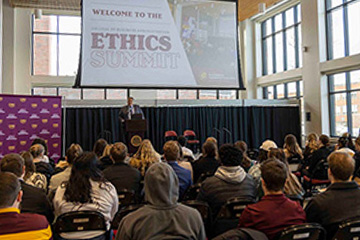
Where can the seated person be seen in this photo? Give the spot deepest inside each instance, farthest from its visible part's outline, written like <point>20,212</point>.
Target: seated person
<point>183,162</point>
<point>208,162</point>
<point>144,157</point>
<point>16,225</point>
<point>230,180</point>
<point>34,199</point>
<point>341,200</point>
<point>41,161</point>
<point>186,151</point>
<point>275,211</point>
<point>86,190</point>
<point>163,217</point>
<point>105,160</point>
<point>71,154</point>
<point>292,149</point>
<point>121,175</point>
<point>246,163</point>
<point>171,155</point>
<point>32,177</point>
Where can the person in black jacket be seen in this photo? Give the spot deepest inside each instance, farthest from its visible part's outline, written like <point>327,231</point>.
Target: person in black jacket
<point>230,180</point>
<point>208,163</point>
<point>341,200</point>
<point>34,199</point>
<point>122,175</point>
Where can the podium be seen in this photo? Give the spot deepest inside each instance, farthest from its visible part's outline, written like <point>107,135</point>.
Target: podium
<point>135,132</point>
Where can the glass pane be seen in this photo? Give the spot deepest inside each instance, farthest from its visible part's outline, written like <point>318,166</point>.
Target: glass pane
<point>45,55</point>
<point>338,82</point>
<point>69,24</point>
<point>278,22</point>
<point>227,94</point>
<point>207,94</point>
<point>289,15</point>
<point>268,27</point>
<point>187,94</point>
<point>93,94</point>
<point>298,9</point>
<point>70,93</point>
<point>291,89</point>
<point>116,94</point>
<point>290,48</point>
<point>300,52</point>
<point>280,90</point>
<point>355,102</point>
<point>279,52</point>
<point>333,3</point>
<point>44,91</point>
<point>336,32</point>
<point>355,79</point>
<point>270,92</point>
<point>45,24</point>
<point>354,33</point>
<point>269,56</point>
<point>340,113</point>
<point>166,94</point>
<point>69,54</point>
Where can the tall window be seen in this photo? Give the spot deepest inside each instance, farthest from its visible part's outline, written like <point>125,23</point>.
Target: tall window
<point>344,89</point>
<point>56,45</point>
<point>291,90</point>
<point>343,35</point>
<point>281,41</point>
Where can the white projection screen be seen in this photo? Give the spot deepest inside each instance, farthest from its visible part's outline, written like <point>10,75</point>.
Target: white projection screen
<point>159,44</point>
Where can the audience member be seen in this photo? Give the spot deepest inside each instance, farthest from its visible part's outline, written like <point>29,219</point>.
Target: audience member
<point>208,162</point>
<point>71,154</point>
<point>246,163</point>
<point>357,154</point>
<point>255,171</point>
<point>212,139</point>
<point>86,190</point>
<point>184,162</point>
<point>99,147</point>
<point>171,155</point>
<point>31,176</point>
<point>162,217</point>
<point>187,153</point>
<point>144,157</point>
<point>346,141</point>
<point>41,161</point>
<point>341,200</point>
<point>311,145</point>
<point>275,211</point>
<point>34,199</point>
<point>121,175</point>
<point>292,149</point>
<point>46,153</point>
<point>14,225</point>
<point>230,180</point>
<point>105,160</point>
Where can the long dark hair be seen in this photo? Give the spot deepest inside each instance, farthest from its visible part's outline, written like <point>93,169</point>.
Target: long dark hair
<point>84,168</point>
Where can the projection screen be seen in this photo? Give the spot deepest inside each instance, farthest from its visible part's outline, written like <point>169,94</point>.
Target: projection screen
<point>159,44</point>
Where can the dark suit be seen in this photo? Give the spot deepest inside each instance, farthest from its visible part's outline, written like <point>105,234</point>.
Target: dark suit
<point>125,112</point>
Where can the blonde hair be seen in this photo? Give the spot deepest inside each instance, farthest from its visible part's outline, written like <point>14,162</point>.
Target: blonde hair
<point>312,142</point>
<point>106,152</point>
<point>144,156</point>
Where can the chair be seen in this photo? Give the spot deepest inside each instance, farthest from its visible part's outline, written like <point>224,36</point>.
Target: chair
<point>294,163</point>
<point>192,142</point>
<point>126,197</point>
<point>204,176</point>
<point>318,177</point>
<point>252,153</point>
<point>122,213</point>
<point>192,192</point>
<point>79,222</point>
<point>308,231</point>
<point>348,230</point>
<point>203,209</point>
<point>170,136</point>
<point>242,234</point>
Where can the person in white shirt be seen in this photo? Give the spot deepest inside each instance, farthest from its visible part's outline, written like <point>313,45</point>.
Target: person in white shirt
<point>186,151</point>
<point>86,190</point>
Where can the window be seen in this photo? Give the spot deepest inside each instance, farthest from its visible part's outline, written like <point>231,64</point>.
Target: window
<point>56,45</point>
<point>343,34</point>
<point>291,90</point>
<point>344,89</point>
<point>281,46</point>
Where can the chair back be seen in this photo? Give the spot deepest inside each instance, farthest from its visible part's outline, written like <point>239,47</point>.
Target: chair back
<point>192,192</point>
<point>308,231</point>
<point>294,163</point>
<point>203,209</point>
<point>320,170</point>
<point>126,197</point>
<point>204,176</point>
<point>122,213</point>
<point>252,153</point>
<point>79,222</point>
<point>234,207</point>
<point>348,230</point>
<point>170,135</point>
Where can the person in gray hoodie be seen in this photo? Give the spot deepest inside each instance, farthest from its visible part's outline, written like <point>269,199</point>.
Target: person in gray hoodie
<point>230,180</point>
<point>163,217</point>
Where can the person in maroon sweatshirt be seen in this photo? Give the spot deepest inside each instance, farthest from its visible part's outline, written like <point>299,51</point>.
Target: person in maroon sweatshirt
<point>275,211</point>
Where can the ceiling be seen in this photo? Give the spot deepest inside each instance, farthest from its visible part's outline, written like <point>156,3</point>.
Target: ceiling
<point>247,8</point>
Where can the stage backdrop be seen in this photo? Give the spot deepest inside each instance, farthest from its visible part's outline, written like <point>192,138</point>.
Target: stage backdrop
<point>24,118</point>
<point>251,124</point>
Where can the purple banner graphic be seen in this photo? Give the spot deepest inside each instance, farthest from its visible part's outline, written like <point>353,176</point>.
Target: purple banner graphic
<point>25,118</point>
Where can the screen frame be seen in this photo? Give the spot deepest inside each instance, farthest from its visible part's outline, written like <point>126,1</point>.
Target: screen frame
<point>78,77</point>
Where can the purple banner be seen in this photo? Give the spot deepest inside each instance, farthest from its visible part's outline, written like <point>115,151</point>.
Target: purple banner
<point>24,118</point>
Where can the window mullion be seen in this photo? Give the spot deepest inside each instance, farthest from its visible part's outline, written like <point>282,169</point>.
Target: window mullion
<point>284,43</point>
<point>273,45</point>
<point>296,34</point>
<point>348,103</point>
<point>57,47</point>
<point>346,29</point>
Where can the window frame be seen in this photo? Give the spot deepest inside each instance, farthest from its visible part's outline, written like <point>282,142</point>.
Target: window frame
<point>286,90</point>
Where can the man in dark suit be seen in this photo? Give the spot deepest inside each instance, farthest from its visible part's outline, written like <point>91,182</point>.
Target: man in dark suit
<point>129,110</point>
